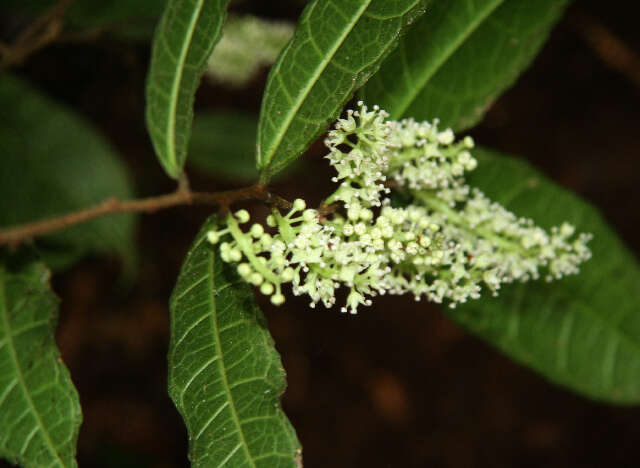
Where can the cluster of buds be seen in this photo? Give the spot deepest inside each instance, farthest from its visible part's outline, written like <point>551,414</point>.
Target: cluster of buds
<point>444,246</point>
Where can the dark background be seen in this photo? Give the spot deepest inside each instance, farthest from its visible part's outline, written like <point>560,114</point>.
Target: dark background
<point>397,385</point>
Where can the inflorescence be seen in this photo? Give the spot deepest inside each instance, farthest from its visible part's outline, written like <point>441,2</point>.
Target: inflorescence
<point>444,246</point>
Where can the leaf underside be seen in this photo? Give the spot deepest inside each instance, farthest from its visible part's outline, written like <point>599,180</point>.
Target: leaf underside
<point>337,46</point>
<point>581,331</point>
<point>223,144</point>
<point>39,408</point>
<point>225,376</point>
<point>52,162</point>
<point>182,44</point>
<point>459,57</point>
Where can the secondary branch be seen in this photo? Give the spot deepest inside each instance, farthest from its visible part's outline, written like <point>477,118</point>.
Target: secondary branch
<point>14,236</point>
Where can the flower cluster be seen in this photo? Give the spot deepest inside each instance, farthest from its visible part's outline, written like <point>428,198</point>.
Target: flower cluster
<point>449,242</point>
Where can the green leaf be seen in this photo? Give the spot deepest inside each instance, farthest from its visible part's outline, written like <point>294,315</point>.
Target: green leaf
<point>337,46</point>
<point>581,331</point>
<point>223,144</point>
<point>225,376</point>
<point>458,58</point>
<point>132,19</point>
<point>52,162</point>
<point>182,44</point>
<point>39,408</point>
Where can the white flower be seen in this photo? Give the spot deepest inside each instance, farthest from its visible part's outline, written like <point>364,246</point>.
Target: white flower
<point>444,246</point>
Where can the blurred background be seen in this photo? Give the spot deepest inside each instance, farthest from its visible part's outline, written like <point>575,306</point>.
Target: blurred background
<point>397,385</point>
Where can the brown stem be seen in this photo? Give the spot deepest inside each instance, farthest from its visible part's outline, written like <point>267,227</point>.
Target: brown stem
<point>42,32</point>
<point>14,236</point>
<point>607,46</point>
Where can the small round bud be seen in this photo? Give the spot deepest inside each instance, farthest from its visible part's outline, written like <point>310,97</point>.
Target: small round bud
<point>387,232</point>
<point>471,165</point>
<point>567,230</point>
<point>266,240</point>
<point>257,230</point>
<point>242,216</point>
<point>287,275</point>
<point>446,137</point>
<point>457,169</point>
<point>213,237</point>
<point>266,289</point>
<point>271,221</point>
<point>299,204</point>
<point>412,248</point>
<point>353,213</point>
<point>464,157</point>
<point>309,215</point>
<point>256,279</point>
<point>244,269</point>
<point>235,255</point>
<point>468,142</point>
<point>397,217</point>
<point>277,299</point>
<point>366,214</point>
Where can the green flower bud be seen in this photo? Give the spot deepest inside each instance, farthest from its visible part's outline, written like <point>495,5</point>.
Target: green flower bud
<point>244,269</point>
<point>267,289</point>
<point>242,216</point>
<point>257,230</point>
<point>277,299</point>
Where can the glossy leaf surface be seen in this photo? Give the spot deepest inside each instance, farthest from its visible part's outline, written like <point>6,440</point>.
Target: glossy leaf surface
<point>182,44</point>
<point>581,331</point>
<point>225,376</point>
<point>337,46</point>
<point>459,57</point>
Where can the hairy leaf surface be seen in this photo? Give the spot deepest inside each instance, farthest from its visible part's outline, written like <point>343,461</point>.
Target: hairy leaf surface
<point>52,162</point>
<point>337,46</point>
<point>581,331</point>
<point>39,408</point>
<point>225,376</point>
<point>458,58</point>
<point>182,44</point>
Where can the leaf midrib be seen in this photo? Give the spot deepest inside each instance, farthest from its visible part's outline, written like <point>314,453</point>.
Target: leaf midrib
<point>310,83</point>
<point>221,365</point>
<point>175,86</point>
<point>14,357</point>
<point>429,72</point>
